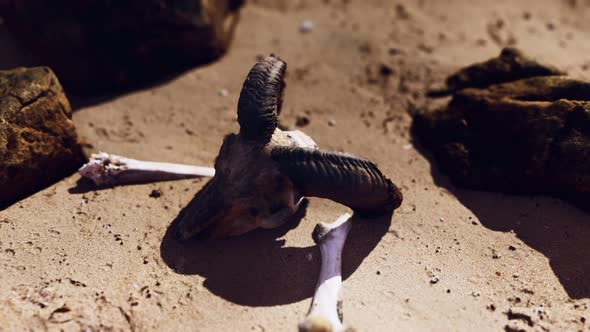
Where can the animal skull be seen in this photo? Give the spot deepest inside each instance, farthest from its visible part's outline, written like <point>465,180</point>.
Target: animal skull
<point>262,173</point>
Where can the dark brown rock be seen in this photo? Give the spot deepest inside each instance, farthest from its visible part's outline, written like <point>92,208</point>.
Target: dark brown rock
<point>112,45</point>
<point>525,136</point>
<point>510,65</point>
<point>38,141</point>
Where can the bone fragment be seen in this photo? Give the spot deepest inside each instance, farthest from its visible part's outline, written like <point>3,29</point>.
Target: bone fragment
<point>325,313</point>
<point>109,169</point>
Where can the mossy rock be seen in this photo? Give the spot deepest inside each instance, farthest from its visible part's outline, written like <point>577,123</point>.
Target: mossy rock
<point>38,140</point>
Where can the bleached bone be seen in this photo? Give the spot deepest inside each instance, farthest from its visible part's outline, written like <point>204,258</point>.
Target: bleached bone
<point>109,169</point>
<point>325,313</point>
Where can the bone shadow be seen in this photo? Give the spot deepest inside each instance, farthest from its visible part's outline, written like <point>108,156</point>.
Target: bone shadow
<point>256,269</point>
<point>564,239</point>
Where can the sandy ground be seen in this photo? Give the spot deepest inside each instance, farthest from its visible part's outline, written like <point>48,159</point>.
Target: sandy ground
<point>73,258</point>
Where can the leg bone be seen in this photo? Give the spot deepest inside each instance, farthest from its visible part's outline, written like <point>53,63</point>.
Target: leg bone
<point>325,313</point>
<point>109,169</point>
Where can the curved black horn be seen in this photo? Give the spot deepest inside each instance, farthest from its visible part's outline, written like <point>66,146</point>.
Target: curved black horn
<point>261,98</point>
<point>350,180</point>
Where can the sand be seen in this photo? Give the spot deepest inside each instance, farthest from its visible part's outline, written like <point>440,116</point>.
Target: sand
<point>73,258</point>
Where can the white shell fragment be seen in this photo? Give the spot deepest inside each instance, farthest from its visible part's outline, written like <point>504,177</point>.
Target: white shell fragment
<point>306,26</point>
<point>109,169</point>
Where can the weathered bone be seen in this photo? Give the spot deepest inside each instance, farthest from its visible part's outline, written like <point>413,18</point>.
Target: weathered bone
<point>325,313</point>
<point>109,169</point>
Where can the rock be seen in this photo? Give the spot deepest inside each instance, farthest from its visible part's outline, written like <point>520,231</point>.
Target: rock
<point>526,136</point>
<point>38,141</point>
<point>510,65</point>
<point>113,45</point>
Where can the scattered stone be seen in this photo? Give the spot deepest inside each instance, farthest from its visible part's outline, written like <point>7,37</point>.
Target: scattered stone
<point>394,51</point>
<point>401,12</point>
<point>114,45</point>
<point>385,70</point>
<point>223,93</point>
<point>511,65</point>
<point>496,255</point>
<point>513,126</point>
<point>331,122</point>
<point>38,140</point>
<point>491,307</point>
<point>302,121</point>
<point>513,314</point>
<point>306,26</point>
<point>434,280</point>
<point>512,248</point>
<point>156,193</point>
<point>510,328</point>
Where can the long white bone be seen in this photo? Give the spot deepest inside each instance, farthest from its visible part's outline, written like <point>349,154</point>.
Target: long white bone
<point>325,313</point>
<point>109,169</point>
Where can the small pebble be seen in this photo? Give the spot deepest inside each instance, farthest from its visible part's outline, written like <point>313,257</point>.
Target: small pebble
<point>223,93</point>
<point>156,193</point>
<point>306,26</point>
<point>309,257</point>
<point>331,122</point>
<point>434,280</point>
<point>302,121</point>
<point>394,51</point>
<point>407,146</point>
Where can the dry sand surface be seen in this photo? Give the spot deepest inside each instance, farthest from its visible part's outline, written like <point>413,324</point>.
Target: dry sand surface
<point>73,258</point>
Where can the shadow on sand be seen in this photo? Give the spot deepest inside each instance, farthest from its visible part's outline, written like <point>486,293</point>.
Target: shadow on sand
<point>551,226</point>
<point>13,55</point>
<point>256,269</point>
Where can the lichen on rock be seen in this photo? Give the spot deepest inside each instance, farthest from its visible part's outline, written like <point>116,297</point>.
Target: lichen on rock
<point>38,140</point>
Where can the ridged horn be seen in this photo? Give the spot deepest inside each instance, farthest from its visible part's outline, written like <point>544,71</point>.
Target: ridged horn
<point>350,180</point>
<point>261,98</point>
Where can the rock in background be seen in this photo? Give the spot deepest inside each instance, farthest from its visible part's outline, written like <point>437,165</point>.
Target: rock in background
<point>38,141</point>
<point>97,45</point>
<point>530,133</point>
